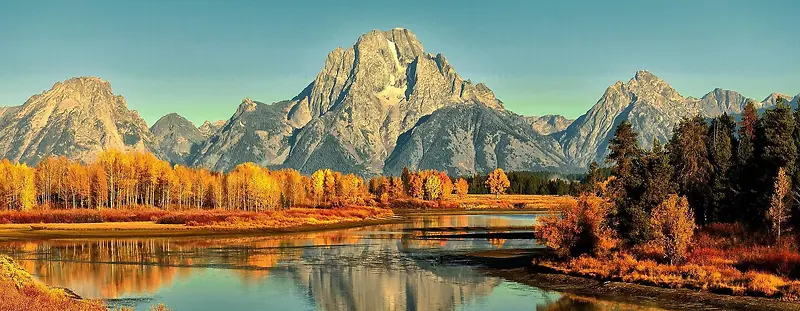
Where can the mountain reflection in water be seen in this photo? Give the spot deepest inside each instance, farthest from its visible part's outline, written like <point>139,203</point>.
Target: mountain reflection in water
<point>386,267</point>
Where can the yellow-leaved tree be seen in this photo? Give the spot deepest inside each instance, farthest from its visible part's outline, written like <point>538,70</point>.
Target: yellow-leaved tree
<point>433,187</point>
<point>462,187</point>
<point>497,182</point>
<point>778,213</point>
<point>673,227</point>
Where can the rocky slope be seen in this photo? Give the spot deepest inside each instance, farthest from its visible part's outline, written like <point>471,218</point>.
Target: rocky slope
<point>177,138</point>
<point>257,132</point>
<point>76,118</point>
<point>469,138</point>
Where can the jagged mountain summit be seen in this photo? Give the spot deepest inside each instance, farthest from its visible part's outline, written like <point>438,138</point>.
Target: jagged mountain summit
<point>209,128</point>
<point>76,118</point>
<point>350,116</point>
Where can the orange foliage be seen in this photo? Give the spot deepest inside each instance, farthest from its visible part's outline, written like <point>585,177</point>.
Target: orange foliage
<point>497,182</point>
<point>673,226</point>
<point>579,229</point>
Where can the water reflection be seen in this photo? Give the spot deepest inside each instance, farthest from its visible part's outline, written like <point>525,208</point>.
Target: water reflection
<point>388,267</point>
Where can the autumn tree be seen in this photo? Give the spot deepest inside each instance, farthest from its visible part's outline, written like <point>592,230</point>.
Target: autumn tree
<point>579,229</point>
<point>461,187</point>
<point>318,186</point>
<point>433,187</point>
<point>778,213</point>
<point>497,182</point>
<point>674,223</point>
<point>415,189</point>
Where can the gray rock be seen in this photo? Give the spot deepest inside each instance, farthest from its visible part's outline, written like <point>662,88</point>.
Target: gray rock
<point>469,138</point>
<point>177,138</point>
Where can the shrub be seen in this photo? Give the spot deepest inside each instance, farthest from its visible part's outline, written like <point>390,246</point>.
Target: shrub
<point>673,226</point>
<point>579,229</point>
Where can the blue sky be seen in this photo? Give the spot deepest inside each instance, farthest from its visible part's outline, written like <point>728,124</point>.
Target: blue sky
<point>201,58</point>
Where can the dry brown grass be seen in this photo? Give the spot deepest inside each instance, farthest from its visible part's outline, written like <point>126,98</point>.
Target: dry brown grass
<point>541,202</point>
<point>725,259</point>
<point>141,217</point>
<point>19,291</point>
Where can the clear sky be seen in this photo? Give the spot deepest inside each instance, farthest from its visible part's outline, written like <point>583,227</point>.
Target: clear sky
<point>201,58</point>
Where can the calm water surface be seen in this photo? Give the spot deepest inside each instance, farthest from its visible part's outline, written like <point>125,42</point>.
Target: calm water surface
<point>385,267</point>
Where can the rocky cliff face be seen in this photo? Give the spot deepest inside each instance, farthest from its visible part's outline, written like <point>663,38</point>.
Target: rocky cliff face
<point>177,138</point>
<point>76,118</point>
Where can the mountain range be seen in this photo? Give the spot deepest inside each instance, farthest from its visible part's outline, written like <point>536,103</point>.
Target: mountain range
<point>375,107</point>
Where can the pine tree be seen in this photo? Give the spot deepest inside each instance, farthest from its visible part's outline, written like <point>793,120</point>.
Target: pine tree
<point>721,146</point>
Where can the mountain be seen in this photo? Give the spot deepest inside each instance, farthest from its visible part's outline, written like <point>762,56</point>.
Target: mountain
<point>76,118</point>
<point>350,116</point>
<point>549,124</point>
<point>177,138</point>
<point>468,138</point>
<point>652,106</point>
<point>208,129</point>
<point>377,106</point>
<point>257,132</point>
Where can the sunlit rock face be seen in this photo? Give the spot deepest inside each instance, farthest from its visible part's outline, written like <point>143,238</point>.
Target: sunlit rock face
<point>76,118</point>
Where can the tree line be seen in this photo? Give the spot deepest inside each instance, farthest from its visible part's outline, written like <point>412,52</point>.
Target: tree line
<point>116,179</point>
<point>527,182</point>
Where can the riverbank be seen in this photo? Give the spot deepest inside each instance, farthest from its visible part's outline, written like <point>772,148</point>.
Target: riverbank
<point>103,223</point>
<point>152,229</point>
<point>665,298</point>
<point>515,265</point>
<point>21,292</point>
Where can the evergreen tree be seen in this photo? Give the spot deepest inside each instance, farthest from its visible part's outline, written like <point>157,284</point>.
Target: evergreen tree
<point>626,188</point>
<point>746,172</point>
<point>689,156</point>
<point>721,146</point>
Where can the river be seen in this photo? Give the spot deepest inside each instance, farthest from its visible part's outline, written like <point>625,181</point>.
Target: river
<point>406,266</point>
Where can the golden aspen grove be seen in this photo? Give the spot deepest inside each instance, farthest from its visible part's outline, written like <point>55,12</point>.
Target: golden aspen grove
<point>122,180</point>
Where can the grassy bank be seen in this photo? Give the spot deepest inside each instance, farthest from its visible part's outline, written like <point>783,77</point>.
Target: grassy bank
<point>19,291</point>
<point>150,222</point>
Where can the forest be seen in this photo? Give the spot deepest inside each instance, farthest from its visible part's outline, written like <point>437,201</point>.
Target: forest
<point>713,209</point>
